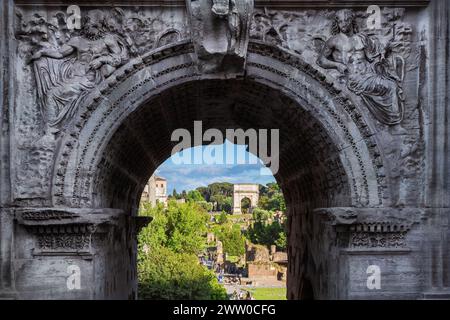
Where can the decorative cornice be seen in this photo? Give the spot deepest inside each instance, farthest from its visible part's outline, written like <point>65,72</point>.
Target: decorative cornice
<point>372,219</point>
<point>42,217</point>
<point>280,4</point>
<point>338,3</point>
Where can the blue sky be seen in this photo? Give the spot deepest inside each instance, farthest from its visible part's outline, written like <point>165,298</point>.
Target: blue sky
<point>242,168</point>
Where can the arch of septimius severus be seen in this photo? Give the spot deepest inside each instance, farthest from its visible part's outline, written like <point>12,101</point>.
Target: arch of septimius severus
<point>88,108</point>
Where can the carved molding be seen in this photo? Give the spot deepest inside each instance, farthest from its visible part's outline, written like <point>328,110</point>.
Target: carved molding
<point>179,49</point>
<point>284,4</point>
<point>48,215</point>
<point>62,232</point>
<point>378,240</point>
<point>373,227</point>
<point>63,239</point>
<point>374,218</point>
<point>37,217</point>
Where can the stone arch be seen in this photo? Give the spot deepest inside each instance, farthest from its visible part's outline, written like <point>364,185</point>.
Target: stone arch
<point>358,190</point>
<point>245,191</point>
<point>328,154</point>
<point>146,78</point>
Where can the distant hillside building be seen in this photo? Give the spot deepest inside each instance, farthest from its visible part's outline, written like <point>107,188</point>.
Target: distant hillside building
<point>155,191</point>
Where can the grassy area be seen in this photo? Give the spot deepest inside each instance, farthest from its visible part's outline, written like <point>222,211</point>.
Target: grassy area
<point>269,293</point>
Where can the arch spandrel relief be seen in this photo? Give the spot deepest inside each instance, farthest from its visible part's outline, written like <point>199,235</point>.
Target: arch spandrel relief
<point>371,62</point>
<point>61,69</point>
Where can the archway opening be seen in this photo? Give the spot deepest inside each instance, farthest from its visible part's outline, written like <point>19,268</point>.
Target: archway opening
<point>234,248</point>
<point>246,205</point>
<point>310,171</point>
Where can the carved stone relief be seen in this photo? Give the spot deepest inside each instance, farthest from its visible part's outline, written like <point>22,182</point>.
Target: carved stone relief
<point>379,68</point>
<point>50,242</point>
<point>62,232</point>
<point>220,32</point>
<point>378,240</point>
<point>372,63</point>
<point>372,228</point>
<point>59,68</point>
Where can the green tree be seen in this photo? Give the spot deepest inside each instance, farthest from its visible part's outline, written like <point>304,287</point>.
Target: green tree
<point>167,275</point>
<point>175,194</point>
<point>261,215</point>
<point>222,218</point>
<point>263,201</point>
<point>155,234</point>
<point>232,239</point>
<point>224,189</point>
<point>195,196</point>
<point>168,267</point>
<point>265,232</point>
<point>271,198</point>
<point>186,227</point>
<point>180,227</point>
<point>281,242</point>
<point>207,206</point>
<point>223,202</point>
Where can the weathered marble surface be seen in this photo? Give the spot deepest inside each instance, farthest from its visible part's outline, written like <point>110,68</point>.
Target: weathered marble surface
<point>86,117</point>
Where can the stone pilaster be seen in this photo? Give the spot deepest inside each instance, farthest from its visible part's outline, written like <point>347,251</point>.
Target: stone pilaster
<point>437,200</point>
<point>99,244</point>
<point>343,243</point>
<point>6,100</point>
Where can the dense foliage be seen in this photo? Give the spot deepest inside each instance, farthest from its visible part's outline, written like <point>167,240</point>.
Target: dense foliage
<point>220,194</point>
<point>232,239</point>
<point>167,275</point>
<point>167,254</point>
<point>266,232</point>
<point>219,188</point>
<point>169,246</point>
<point>271,198</point>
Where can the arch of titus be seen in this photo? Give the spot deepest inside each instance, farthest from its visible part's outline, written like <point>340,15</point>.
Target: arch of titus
<point>242,191</point>
<point>360,98</point>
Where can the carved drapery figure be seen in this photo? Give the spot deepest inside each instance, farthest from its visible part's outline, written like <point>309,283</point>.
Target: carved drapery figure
<point>65,74</point>
<point>220,32</point>
<point>366,66</point>
<point>227,9</point>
